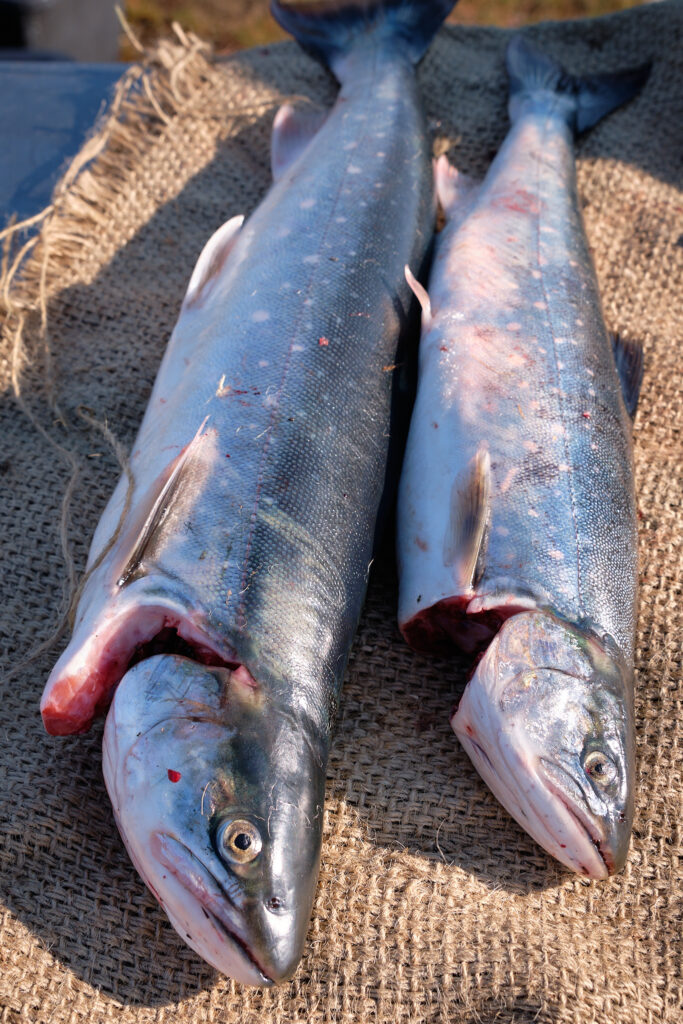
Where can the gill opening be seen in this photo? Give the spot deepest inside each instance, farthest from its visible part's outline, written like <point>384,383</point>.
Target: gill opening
<point>169,640</point>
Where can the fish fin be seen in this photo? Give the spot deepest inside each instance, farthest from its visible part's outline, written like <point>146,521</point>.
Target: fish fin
<point>628,355</point>
<point>162,504</point>
<point>292,131</point>
<point>466,535</point>
<point>583,100</point>
<point>422,296</point>
<point>328,29</point>
<point>455,191</point>
<point>212,259</point>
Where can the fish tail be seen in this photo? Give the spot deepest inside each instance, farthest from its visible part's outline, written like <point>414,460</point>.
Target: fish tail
<point>536,78</point>
<point>328,29</point>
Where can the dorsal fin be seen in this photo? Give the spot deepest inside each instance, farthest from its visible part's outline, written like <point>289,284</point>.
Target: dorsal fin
<point>467,532</point>
<point>212,259</point>
<point>293,129</point>
<point>628,356</point>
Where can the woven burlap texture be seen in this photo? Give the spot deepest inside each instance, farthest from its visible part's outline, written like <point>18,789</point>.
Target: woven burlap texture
<point>432,905</point>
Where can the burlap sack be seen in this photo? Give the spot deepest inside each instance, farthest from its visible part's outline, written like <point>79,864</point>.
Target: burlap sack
<point>433,905</point>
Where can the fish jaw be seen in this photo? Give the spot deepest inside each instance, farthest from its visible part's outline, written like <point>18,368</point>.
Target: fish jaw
<point>532,732</point>
<point>514,778</point>
<point>185,747</point>
<point>197,908</point>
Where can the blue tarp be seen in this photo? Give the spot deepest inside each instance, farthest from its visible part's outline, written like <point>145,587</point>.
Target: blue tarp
<point>46,111</point>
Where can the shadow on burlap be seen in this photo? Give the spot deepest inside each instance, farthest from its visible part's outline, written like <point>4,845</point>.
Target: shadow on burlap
<point>433,906</point>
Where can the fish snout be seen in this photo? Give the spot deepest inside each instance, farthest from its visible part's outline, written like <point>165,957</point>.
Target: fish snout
<point>614,848</point>
<point>264,929</point>
<point>598,824</point>
<point>283,926</point>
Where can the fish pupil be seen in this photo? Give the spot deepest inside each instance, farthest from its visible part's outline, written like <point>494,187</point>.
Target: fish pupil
<point>242,841</point>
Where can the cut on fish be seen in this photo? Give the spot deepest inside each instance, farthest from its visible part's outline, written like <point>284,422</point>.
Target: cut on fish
<point>223,599</point>
<point>517,516</point>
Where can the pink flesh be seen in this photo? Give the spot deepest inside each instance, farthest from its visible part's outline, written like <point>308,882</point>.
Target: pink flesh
<point>464,622</point>
<point>76,693</point>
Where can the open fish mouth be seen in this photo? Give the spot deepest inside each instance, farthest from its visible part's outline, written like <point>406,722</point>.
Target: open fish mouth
<point>541,808</point>
<point>204,891</point>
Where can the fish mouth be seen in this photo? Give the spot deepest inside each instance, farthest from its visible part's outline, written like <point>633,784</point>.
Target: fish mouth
<point>540,807</point>
<point>215,904</point>
<point>582,820</point>
<point>232,937</point>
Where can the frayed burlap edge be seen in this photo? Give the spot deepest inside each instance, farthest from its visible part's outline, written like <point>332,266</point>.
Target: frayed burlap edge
<point>145,98</point>
<point>168,82</point>
<point>399,899</point>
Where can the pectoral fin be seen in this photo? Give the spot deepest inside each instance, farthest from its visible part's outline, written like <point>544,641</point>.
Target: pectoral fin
<point>467,531</point>
<point>422,296</point>
<point>628,356</point>
<point>181,479</point>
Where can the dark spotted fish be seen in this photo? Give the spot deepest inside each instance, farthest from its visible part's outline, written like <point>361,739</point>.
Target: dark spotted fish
<point>229,600</point>
<point>517,524</point>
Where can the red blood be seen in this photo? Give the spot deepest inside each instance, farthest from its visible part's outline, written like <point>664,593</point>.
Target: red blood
<point>173,776</point>
<point>445,626</point>
<point>227,456</point>
<point>520,202</point>
<point>586,415</point>
<point>324,342</point>
<point>443,348</point>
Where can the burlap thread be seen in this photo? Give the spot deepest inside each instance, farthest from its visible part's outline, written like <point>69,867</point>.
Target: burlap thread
<point>433,906</point>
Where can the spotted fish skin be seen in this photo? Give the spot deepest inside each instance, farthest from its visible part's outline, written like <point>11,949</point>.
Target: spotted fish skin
<point>231,592</point>
<point>517,490</point>
<point>275,390</point>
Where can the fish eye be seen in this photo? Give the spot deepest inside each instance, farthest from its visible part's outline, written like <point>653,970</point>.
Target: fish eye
<point>600,768</point>
<point>238,841</point>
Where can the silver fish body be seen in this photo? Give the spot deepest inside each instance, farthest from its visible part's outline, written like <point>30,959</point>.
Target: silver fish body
<point>230,594</point>
<point>517,518</point>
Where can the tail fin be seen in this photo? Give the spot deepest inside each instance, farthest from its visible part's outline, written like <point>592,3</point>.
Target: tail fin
<point>327,29</point>
<point>582,101</point>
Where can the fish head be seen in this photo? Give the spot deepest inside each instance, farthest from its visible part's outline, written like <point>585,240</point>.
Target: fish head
<point>218,797</point>
<point>547,720</point>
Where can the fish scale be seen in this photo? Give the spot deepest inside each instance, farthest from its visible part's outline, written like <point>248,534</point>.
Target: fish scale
<point>295,431</point>
<point>532,378</point>
<point>517,519</point>
<point>223,608</point>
